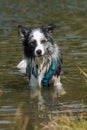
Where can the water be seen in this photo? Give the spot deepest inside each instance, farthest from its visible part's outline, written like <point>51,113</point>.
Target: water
<point>70,17</point>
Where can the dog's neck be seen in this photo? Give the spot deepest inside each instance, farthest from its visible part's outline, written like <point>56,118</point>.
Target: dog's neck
<point>40,64</point>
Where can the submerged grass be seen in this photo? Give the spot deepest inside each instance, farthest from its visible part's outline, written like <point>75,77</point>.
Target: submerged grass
<point>61,122</point>
<point>83,73</point>
<point>64,123</point>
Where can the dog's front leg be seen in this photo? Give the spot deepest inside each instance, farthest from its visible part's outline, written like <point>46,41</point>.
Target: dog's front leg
<point>33,81</point>
<point>39,81</point>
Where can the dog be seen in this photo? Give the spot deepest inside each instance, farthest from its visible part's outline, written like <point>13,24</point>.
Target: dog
<point>42,60</point>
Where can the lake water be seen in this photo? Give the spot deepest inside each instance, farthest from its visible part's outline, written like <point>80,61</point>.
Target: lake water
<point>70,18</point>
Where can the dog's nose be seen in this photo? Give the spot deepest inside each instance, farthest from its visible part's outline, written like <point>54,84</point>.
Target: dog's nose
<point>39,52</point>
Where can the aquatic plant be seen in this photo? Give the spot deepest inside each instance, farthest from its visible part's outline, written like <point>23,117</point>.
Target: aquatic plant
<point>64,123</point>
<point>61,122</point>
<point>83,73</point>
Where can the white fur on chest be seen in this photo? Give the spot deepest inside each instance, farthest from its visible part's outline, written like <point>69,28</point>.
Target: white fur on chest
<point>33,81</point>
<point>38,81</point>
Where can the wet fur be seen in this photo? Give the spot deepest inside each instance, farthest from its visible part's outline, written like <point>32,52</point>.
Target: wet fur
<point>39,52</point>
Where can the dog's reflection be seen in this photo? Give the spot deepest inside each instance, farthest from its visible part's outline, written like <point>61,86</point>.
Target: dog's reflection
<point>43,96</point>
<point>36,92</point>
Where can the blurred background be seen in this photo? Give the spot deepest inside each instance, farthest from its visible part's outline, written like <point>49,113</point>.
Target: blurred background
<point>70,18</point>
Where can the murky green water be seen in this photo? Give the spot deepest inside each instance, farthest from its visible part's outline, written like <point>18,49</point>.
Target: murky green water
<point>70,17</point>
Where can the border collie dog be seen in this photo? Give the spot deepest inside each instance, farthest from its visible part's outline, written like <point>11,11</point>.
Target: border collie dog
<point>42,60</point>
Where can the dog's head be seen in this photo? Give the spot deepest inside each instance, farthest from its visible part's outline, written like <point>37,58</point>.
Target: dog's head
<point>36,41</point>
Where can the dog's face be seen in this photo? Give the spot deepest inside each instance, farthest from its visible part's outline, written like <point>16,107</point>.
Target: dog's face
<point>36,41</point>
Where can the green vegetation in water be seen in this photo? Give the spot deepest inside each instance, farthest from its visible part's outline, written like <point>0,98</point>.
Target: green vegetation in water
<point>64,123</point>
<point>84,74</point>
<point>59,123</point>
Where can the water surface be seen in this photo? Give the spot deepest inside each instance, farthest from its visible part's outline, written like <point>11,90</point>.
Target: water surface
<point>70,17</point>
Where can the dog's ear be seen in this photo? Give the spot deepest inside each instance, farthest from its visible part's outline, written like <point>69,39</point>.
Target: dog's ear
<point>23,31</point>
<point>49,28</point>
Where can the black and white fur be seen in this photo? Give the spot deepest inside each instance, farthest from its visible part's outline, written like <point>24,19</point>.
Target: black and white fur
<point>40,51</point>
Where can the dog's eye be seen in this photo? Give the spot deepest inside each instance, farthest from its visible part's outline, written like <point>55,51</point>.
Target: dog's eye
<point>33,43</point>
<point>43,41</point>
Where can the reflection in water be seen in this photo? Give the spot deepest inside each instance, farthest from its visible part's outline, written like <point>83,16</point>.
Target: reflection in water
<point>70,18</point>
